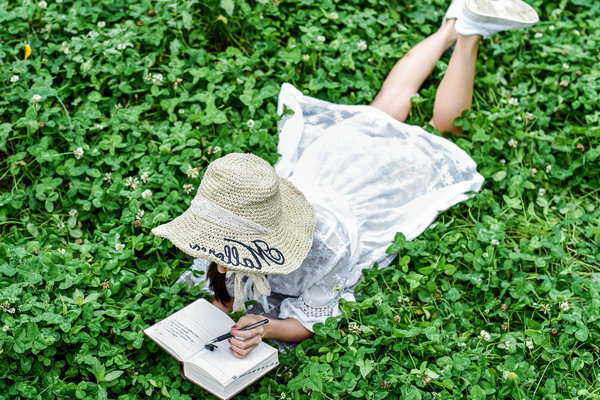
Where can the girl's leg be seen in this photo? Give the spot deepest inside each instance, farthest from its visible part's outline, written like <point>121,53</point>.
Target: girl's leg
<point>455,92</point>
<point>411,70</point>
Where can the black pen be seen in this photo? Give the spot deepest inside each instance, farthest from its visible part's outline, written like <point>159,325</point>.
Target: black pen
<point>210,345</point>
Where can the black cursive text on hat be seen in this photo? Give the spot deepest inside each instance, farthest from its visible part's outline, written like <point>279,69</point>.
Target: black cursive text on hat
<point>259,252</point>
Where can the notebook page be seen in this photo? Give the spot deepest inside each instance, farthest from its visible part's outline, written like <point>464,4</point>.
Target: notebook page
<point>186,332</point>
<point>224,367</point>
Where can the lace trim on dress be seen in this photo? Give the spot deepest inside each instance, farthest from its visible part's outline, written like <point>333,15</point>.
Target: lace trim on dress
<point>204,208</point>
<point>315,312</point>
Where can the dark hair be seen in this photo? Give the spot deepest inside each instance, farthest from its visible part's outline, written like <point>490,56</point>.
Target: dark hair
<point>216,282</point>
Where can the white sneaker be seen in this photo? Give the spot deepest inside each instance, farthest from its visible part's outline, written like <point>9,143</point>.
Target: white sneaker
<point>454,10</point>
<point>486,17</point>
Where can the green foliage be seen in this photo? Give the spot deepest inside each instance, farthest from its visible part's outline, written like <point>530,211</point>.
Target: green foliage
<point>497,299</point>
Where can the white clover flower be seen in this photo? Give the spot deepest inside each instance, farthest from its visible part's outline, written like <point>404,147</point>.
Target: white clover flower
<point>12,309</point>
<point>282,395</point>
<point>101,24</point>
<point>145,177</point>
<point>565,66</point>
<point>503,161</point>
<point>100,126</point>
<point>139,214</point>
<point>334,15</point>
<point>250,123</point>
<point>239,81</point>
<point>306,57</point>
<point>61,251</point>
<point>361,45</point>
<point>60,224</point>
<point>78,153</point>
<point>485,336</point>
<point>14,78</point>
<point>551,28</point>
<point>485,255</point>
<point>35,98</point>
<point>544,308</point>
<point>321,38</point>
<point>132,182</point>
<point>461,344</point>
<point>121,46</point>
<point>178,82</point>
<point>507,344</point>
<point>117,236</point>
<point>5,328</point>
<point>564,306</point>
<point>529,344</point>
<point>108,177</point>
<point>337,288</point>
<point>188,188</point>
<point>541,192</point>
<point>157,78</point>
<point>354,328</point>
<point>548,168</point>
<point>73,213</point>
<point>192,172</point>
<point>119,246</point>
<point>534,171</point>
<point>65,48</point>
<point>513,143</point>
<point>181,111</point>
<point>538,35</point>
<point>42,4</point>
<point>146,194</point>
<point>216,149</point>
<point>528,116</point>
<point>495,242</point>
<point>576,32</point>
<point>513,101</point>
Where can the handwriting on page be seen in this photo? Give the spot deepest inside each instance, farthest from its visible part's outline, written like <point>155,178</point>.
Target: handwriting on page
<point>178,330</point>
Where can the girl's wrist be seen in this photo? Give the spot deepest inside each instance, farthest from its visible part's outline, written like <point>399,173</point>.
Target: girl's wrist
<point>268,328</point>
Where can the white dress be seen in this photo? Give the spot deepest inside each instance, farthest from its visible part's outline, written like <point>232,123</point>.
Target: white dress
<point>368,176</point>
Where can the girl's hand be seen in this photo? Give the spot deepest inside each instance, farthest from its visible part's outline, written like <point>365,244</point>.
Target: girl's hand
<point>244,342</point>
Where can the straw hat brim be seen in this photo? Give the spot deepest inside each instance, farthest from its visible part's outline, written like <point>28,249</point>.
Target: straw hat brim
<point>279,250</point>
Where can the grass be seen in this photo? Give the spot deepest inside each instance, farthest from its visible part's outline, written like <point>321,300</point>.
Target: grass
<point>497,299</point>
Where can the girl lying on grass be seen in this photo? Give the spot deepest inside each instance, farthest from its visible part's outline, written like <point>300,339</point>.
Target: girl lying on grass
<point>296,237</point>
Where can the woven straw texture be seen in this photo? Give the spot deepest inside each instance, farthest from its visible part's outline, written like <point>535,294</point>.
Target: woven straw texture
<point>245,218</point>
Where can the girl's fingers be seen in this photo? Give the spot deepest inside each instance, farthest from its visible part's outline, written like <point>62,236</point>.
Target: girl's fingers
<point>248,343</point>
<point>241,353</point>
<point>248,334</point>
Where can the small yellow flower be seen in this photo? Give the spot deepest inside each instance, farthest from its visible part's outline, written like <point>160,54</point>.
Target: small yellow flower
<point>26,51</point>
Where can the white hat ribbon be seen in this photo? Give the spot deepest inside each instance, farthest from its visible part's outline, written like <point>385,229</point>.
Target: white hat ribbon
<point>260,285</point>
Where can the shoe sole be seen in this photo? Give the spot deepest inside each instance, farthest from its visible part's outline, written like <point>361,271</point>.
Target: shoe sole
<point>513,13</point>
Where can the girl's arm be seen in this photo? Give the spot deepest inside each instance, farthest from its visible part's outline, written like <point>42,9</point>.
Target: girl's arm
<point>243,342</point>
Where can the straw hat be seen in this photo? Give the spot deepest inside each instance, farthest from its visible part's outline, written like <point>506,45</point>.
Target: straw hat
<point>247,219</point>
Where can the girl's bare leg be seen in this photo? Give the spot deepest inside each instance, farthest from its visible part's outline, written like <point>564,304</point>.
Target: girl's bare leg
<point>455,92</point>
<point>411,70</point>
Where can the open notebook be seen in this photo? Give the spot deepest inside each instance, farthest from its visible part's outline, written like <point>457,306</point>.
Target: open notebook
<point>184,334</point>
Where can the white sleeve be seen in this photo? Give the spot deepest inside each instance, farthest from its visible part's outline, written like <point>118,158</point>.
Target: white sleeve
<point>196,275</point>
<point>325,272</point>
<point>318,302</point>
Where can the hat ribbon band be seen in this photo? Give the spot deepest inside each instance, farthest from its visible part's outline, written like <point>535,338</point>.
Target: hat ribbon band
<point>260,285</point>
<point>204,208</point>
